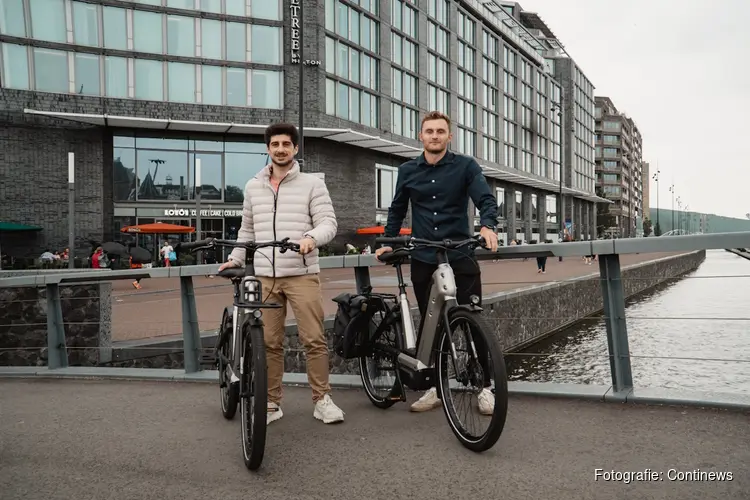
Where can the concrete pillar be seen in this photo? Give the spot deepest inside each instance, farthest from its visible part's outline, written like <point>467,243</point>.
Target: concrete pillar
<point>592,220</point>
<point>541,208</point>
<point>526,214</point>
<point>510,203</point>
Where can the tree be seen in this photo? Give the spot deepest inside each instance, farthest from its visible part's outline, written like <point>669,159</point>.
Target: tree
<point>604,219</point>
<point>647,226</point>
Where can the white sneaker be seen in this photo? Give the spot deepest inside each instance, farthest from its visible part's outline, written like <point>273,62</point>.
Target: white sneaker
<point>273,413</point>
<point>427,402</point>
<point>486,402</point>
<point>327,411</point>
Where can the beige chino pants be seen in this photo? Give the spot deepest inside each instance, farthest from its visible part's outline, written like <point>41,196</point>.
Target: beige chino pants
<point>303,293</point>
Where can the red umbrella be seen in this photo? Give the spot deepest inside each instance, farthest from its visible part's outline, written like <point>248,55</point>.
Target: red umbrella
<point>158,228</point>
<point>380,230</point>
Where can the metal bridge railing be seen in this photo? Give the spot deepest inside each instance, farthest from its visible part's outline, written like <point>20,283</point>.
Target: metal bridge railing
<point>608,254</point>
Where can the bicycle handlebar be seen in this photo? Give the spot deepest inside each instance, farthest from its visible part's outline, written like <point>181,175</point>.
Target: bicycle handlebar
<point>409,241</point>
<point>284,244</point>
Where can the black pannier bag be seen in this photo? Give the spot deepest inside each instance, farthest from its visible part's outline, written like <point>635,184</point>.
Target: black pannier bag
<point>351,326</point>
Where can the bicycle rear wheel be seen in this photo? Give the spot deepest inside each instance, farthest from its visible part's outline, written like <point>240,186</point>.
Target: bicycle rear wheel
<point>466,391</point>
<point>379,368</point>
<point>253,396</point>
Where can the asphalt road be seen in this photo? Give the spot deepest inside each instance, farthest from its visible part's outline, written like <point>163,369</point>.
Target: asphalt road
<point>155,310</point>
<point>156,440</point>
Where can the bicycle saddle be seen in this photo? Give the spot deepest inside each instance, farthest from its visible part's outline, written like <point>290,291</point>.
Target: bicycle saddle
<point>232,273</point>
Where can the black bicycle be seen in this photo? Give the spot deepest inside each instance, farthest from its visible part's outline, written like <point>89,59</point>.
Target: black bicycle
<point>457,352</point>
<point>240,347</point>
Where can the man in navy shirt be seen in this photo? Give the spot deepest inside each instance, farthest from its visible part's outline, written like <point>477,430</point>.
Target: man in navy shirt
<point>439,184</point>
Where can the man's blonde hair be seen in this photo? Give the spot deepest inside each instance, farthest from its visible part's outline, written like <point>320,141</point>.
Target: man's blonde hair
<point>436,115</point>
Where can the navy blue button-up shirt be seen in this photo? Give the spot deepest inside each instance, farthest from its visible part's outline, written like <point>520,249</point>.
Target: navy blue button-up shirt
<point>439,196</point>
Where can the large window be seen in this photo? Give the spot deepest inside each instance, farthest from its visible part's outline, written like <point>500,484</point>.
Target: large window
<point>551,208</point>
<point>15,66</point>
<point>12,18</point>
<point>85,24</point>
<point>114,28</point>
<point>48,20</point>
<point>519,205</point>
<point>501,206</point>
<point>87,74</point>
<point>351,64</point>
<point>351,104</point>
<point>51,70</point>
<point>155,32</point>
<point>163,169</point>
<point>146,79</point>
<point>353,25</point>
<point>385,186</point>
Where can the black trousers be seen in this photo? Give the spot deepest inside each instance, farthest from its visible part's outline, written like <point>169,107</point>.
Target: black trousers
<point>541,263</point>
<point>468,283</point>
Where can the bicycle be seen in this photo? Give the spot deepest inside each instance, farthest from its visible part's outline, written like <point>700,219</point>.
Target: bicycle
<point>240,347</point>
<point>423,365</point>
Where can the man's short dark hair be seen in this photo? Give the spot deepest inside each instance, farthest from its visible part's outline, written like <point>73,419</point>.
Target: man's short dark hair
<point>282,129</point>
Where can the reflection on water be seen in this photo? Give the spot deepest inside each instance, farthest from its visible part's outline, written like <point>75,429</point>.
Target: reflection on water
<point>579,354</point>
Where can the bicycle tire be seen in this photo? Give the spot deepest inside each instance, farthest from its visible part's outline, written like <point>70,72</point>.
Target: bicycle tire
<point>253,397</point>
<point>381,402</point>
<point>229,393</point>
<point>499,375</point>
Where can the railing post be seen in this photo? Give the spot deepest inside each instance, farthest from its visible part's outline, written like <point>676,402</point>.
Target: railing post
<point>191,337</point>
<point>613,296</point>
<point>57,352</point>
<point>362,278</point>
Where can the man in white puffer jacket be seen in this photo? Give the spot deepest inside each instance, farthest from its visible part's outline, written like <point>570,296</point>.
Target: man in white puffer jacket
<point>282,202</point>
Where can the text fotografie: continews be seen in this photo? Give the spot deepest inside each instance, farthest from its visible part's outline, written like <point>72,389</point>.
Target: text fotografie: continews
<point>647,475</point>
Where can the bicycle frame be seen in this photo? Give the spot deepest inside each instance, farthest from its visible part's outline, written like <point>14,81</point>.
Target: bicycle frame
<point>442,299</point>
<point>246,310</point>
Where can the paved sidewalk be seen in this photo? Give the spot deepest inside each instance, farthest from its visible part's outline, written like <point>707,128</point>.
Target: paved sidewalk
<point>138,314</point>
<point>158,440</point>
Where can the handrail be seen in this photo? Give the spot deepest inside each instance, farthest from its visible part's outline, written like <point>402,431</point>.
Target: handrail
<point>622,246</point>
<point>608,251</point>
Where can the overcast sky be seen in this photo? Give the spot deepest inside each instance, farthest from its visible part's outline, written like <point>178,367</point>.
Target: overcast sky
<point>681,70</point>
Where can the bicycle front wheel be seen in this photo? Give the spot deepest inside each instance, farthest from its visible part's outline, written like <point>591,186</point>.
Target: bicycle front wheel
<point>472,384</point>
<point>229,392</point>
<point>253,397</point>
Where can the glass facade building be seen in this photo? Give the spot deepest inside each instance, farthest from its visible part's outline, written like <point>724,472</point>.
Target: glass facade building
<point>385,67</point>
<point>142,89</point>
<point>180,56</point>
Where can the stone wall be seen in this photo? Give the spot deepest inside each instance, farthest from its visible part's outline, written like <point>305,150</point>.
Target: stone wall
<point>86,314</point>
<point>519,318</point>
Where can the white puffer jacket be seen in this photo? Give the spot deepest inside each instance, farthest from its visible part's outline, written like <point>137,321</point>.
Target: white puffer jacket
<point>301,207</point>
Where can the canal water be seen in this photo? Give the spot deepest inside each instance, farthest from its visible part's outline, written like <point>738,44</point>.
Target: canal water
<point>705,315</point>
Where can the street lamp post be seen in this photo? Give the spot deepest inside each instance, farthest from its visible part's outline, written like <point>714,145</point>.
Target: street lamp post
<point>301,153</point>
<point>671,190</point>
<point>561,209</point>
<point>656,178</point>
<point>71,210</point>
<point>679,215</point>
<point>198,185</point>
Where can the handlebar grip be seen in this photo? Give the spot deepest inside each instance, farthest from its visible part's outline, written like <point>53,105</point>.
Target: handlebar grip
<point>397,240</point>
<point>194,244</point>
